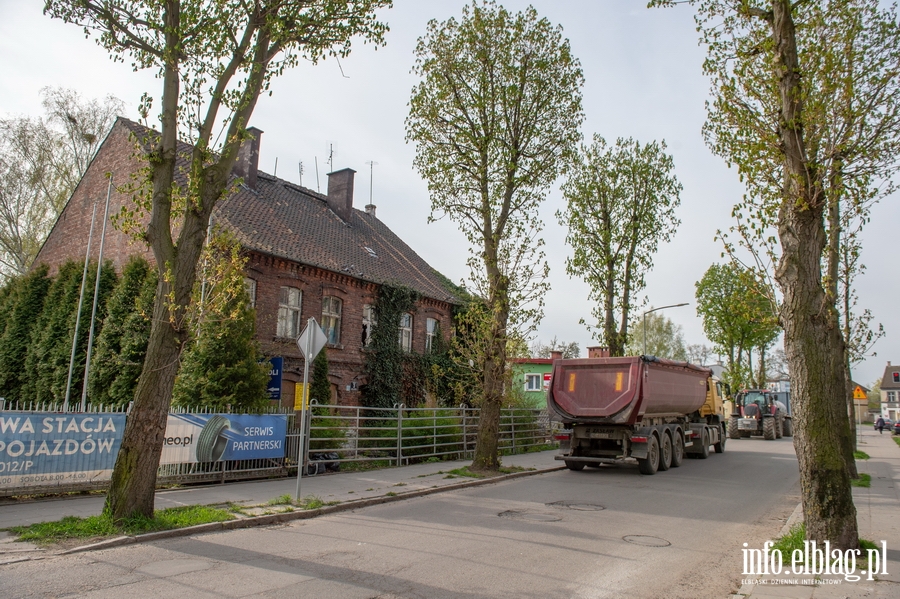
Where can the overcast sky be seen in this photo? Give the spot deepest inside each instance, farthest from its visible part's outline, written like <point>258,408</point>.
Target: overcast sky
<point>643,80</point>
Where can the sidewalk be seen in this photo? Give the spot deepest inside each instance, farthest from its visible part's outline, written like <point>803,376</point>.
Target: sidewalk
<point>339,486</point>
<point>878,518</point>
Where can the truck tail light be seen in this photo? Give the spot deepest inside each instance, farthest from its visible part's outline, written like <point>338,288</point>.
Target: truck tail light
<point>638,439</point>
<point>562,436</point>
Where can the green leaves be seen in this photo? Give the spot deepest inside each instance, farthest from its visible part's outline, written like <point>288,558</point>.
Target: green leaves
<point>620,204</point>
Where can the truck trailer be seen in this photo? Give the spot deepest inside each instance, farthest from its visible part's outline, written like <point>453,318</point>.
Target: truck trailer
<point>656,411</point>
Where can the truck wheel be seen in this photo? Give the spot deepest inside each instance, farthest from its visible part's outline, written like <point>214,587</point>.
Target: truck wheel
<point>769,429</point>
<point>720,446</point>
<point>704,445</point>
<point>677,449</point>
<point>788,427</point>
<point>574,465</point>
<point>779,427</point>
<point>665,452</point>
<point>733,430</point>
<point>649,464</point>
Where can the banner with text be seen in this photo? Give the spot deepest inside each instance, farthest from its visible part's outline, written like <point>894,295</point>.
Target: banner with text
<point>223,437</point>
<point>54,449</point>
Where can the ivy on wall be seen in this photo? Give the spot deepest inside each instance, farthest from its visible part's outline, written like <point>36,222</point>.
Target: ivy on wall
<point>384,366</point>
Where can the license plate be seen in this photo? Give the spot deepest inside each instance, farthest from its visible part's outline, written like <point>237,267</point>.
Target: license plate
<point>747,425</point>
<point>600,433</point>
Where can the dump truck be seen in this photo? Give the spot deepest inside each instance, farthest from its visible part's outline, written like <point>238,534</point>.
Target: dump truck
<point>760,412</point>
<point>656,411</point>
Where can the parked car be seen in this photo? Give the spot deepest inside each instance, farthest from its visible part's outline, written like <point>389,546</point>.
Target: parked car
<point>888,425</point>
<point>897,428</point>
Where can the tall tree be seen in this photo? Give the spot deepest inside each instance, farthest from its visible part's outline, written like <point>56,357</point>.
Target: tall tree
<point>495,118</point>
<point>122,344</point>
<point>806,105</point>
<point>214,58</point>
<point>25,303</point>
<point>737,315</point>
<point>50,350</point>
<point>41,161</point>
<point>222,367</point>
<point>665,339</point>
<point>621,204</point>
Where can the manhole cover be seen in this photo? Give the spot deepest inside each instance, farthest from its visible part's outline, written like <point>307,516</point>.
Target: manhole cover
<point>646,541</point>
<point>573,505</point>
<point>532,516</point>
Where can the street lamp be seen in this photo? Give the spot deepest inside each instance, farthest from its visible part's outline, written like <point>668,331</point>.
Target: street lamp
<point>644,346</point>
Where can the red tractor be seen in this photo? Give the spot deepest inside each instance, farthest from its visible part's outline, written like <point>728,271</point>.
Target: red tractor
<point>759,412</point>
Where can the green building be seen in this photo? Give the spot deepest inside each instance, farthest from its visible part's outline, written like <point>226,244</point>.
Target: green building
<point>531,380</point>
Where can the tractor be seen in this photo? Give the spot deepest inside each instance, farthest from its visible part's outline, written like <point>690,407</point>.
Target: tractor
<point>759,412</point>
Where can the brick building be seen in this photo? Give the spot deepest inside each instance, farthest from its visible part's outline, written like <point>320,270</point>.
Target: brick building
<point>309,254</point>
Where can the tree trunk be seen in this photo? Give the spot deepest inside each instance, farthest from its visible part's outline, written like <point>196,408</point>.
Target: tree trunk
<point>133,485</point>
<point>813,342</point>
<point>487,453</point>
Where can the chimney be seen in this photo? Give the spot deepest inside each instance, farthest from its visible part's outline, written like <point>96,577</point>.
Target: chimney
<point>370,209</point>
<point>247,162</point>
<point>340,192</point>
<point>556,355</point>
<point>598,352</point>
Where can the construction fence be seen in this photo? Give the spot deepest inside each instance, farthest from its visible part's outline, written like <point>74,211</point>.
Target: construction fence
<point>47,449</point>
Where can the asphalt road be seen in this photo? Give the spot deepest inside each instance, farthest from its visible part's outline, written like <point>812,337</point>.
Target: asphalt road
<point>607,532</point>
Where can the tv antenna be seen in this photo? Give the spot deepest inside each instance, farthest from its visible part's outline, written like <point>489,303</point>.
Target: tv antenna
<point>300,168</point>
<point>371,164</point>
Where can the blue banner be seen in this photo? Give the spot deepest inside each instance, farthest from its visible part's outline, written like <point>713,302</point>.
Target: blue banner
<point>44,449</point>
<point>223,437</point>
<point>274,386</point>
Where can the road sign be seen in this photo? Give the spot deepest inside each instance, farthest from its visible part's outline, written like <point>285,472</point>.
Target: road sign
<point>316,337</point>
<point>858,393</point>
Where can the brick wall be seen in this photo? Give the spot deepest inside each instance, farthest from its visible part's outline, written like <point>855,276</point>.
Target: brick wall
<point>69,237</point>
<point>345,359</point>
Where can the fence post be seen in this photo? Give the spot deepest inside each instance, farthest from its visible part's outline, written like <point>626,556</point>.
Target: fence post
<point>399,434</point>
<point>434,432</point>
<point>462,407</point>
<point>512,424</point>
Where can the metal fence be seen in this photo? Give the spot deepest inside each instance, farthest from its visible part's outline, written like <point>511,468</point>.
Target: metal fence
<point>341,435</point>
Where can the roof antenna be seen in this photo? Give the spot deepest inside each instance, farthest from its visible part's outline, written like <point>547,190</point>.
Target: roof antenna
<point>317,175</point>
<point>371,164</point>
<point>301,173</point>
<point>331,156</point>
<point>275,174</point>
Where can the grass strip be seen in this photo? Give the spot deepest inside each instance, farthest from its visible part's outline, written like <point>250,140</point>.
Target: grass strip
<point>73,527</point>
<point>860,455</point>
<point>795,538</point>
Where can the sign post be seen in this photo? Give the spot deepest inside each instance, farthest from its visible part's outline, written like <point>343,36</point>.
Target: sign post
<point>310,342</point>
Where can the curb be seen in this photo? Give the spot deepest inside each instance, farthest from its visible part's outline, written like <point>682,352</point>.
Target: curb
<point>270,519</point>
<point>795,517</point>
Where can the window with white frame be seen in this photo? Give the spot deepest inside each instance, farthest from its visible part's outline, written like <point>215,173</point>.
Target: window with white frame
<point>406,323</point>
<point>289,312</point>
<point>368,322</point>
<point>432,329</point>
<point>891,397</point>
<point>250,286</point>
<point>331,319</point>
<point>533,382</point>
